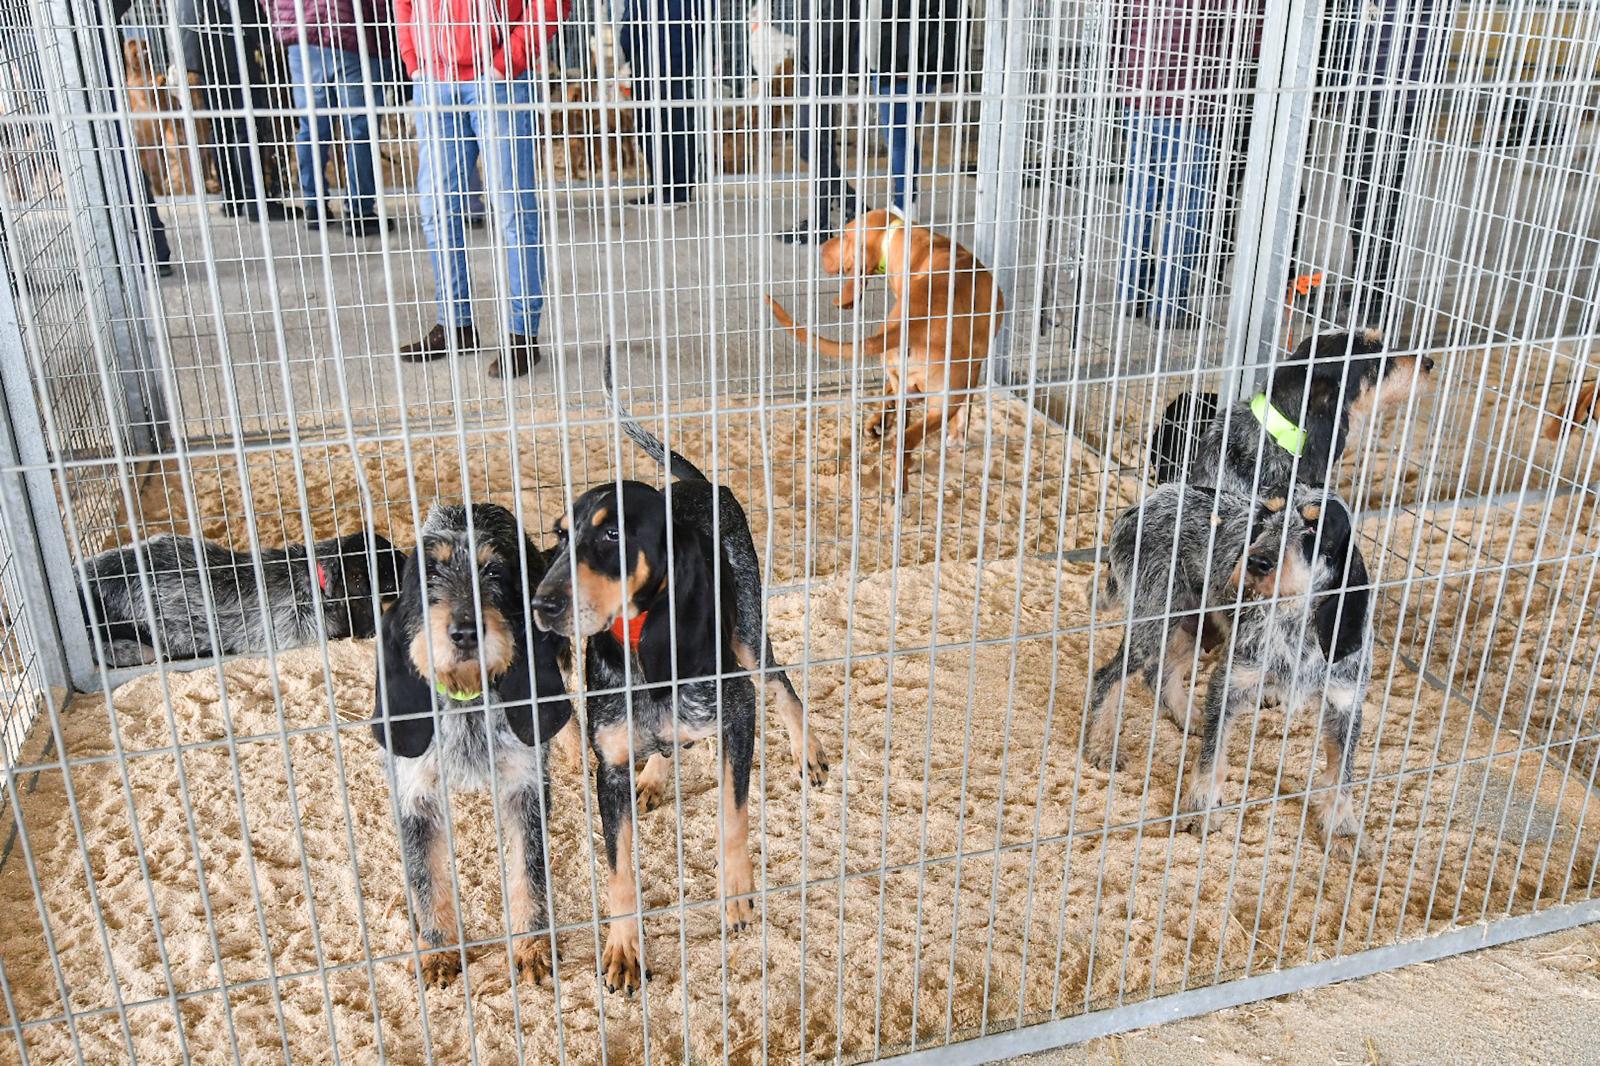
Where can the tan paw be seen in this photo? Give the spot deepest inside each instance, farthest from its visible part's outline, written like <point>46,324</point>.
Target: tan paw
<point>741,914</point>
<point>441,967</point>
<point>533,959</point>
<point>650,794</point>
<point>816,764</point>
<point>1099,754</point>
<point>619,962</point>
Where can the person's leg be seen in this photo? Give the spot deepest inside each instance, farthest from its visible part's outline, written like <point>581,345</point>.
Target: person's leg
<point>1142,188</point>
<point>307,68</point>
<point>1374,181</point>
<point>895,115</point>
<point>472,188</point>
<point>733,22</point>
<point>229,132</point>
<point>440,156</point>
<point>833,201</point>
<point>1189,166</point>
<point>360,185</point>
<point>682,171</point>
<point>506,134</point>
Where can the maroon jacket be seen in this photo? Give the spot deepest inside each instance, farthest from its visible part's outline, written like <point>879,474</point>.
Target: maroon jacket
<point>1181,58</point>
<point>329,23</point>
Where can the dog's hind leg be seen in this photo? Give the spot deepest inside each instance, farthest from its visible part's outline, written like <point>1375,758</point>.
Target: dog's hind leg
<point>807,752</point>
<point>1171,674</point>
<point>526,882</point>
<point>1100,732</point>
<point>738,747</point>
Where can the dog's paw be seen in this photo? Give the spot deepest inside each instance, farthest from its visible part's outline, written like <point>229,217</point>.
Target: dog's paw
<point>1340,826</point>
<point>1196,811</point>
<point>1101,756</point>
<point>815,765</point>
<point>737,886</point>
<point>533,958</point>
<point>650,794</point>
<point>619,961</point>
<point>441,967</point>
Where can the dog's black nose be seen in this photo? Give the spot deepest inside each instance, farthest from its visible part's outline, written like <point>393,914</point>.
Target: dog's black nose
<point>463,634</point>
<point>1261,565</point>
<point>1427,364</point>
<point>547,604</point>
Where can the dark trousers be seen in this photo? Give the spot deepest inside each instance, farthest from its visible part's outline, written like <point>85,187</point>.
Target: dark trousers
<point>224,86</point>
<point>659,43</point>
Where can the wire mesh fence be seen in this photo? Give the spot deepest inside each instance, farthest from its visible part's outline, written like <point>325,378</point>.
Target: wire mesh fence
<point>1208,618</point>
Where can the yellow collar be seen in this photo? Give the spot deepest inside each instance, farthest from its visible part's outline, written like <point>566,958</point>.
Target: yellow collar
<point>1290,437</point>
<point>883,262</point>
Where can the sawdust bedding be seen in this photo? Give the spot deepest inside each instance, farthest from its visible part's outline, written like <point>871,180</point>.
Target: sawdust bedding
<point>1041,892</point>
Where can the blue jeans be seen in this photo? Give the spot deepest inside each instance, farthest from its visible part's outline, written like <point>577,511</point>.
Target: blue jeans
<point>496,118</point>
<point>1171,167</point>
<point>326,77</point>
<point>901,117</point>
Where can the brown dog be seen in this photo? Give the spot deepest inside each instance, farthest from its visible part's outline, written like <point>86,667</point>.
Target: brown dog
<point>1580,409</point>
<point>937,336</point>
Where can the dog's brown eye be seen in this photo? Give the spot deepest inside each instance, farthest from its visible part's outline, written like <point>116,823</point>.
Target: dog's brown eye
<point>493,571</point>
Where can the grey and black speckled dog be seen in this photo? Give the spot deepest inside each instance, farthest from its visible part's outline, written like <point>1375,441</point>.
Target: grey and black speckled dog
<point>670,652</point>
<point>1180,552</point>
<point>125,634</point>
<point>1309,643</point>
<point>467,700</point>
<point>1339,380</point>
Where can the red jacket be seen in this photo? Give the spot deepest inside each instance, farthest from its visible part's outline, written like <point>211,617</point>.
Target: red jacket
<point>1184,58</point>
<point>445,39</point>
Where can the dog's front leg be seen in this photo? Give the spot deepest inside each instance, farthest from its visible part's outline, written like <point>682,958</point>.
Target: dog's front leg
<point>1341,728</point>
<point>620,959</point>
<point>1228,690</point>
<point>526,885</point>
<point>426,855</point>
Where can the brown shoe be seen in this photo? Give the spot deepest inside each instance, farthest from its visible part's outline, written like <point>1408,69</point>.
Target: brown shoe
<point>436,345</point>
<point>522,355</point>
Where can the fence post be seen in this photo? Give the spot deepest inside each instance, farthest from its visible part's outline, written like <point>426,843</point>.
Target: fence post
<point>1002,129</point>
<point>1274,163</point>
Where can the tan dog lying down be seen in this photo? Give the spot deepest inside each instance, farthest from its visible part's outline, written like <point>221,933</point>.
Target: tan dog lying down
<point>946,313</point>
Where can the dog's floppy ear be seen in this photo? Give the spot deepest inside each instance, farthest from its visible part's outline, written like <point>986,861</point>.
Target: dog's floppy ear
<point>401,694</point>
<point>689,599</point>
<point>535,677</point>
<point>1341,616</point>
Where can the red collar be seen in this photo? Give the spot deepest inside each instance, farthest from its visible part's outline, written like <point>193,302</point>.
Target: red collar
<point>322,577</point>
<point>627,633</point>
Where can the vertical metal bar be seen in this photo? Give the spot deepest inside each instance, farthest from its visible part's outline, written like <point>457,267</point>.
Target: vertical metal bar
<point>1001,146</point>
<point>1266,217</point>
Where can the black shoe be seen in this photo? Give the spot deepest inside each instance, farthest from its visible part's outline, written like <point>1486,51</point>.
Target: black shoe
<point>522,355</point>
<point>164,270</point>
<point>315,217</point>
<point>270,209</point>
<point>366,225</point>
<point>808,232</point>
<point>436,345</point>
<point>477,221</point>
<point>658,201</point>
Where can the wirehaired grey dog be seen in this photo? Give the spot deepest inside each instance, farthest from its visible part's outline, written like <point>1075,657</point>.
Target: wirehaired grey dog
<point>468,700</point>
<point>1311,642</point>
<point>1295,429</point>
<point>673,631</point>
<point>281,612</point>
<point>1180,552</point>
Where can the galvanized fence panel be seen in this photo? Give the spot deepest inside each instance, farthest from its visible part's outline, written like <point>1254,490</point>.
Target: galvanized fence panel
<point>209,857</point>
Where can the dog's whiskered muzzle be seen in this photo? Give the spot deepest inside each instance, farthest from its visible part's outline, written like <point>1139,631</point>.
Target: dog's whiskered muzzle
<point>463,633</point>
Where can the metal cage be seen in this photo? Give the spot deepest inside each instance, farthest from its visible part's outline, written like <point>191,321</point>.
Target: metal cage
<point>203,852</point>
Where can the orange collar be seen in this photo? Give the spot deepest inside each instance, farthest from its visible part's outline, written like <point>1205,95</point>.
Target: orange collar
<point>627,633</point>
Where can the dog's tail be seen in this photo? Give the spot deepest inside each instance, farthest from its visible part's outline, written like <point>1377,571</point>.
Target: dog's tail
<point>677,465</point>
<point>885,340</point>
